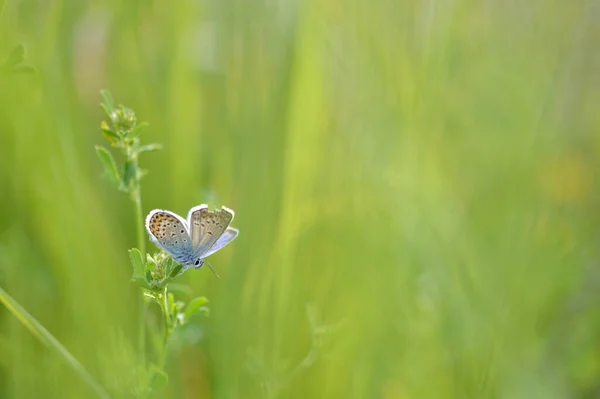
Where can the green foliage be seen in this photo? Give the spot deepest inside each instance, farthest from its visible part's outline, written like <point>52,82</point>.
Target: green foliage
<point>139,268</point>
<point>158,379</point>
<point>153,275</point>
<point>195,305</point>
<point>158,271</point>
<point>44,336</point>
<point>424,174</point>
<point>14,63</point>
<point>123,133</point>
<point>110,166</point>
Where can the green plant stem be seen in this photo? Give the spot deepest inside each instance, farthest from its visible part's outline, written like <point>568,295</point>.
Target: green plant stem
<point>139,216</point>
<point>2,3</point>
<point>36,328</point>
<point>142,331</point>
<point>164,306</point>
<point>141,243</point>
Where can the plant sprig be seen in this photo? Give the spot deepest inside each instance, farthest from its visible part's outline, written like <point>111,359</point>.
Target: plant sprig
<point>277,375</point>
<point>123,133</point>
<point>14,62</point>
<point>151,273</point>
<point>44,336</point>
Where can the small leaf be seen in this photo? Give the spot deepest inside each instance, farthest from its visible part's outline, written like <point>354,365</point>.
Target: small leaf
<point>149,266</point>
<point>23,69</point>
<point>158,378</point>
<point>142,282</point>
<point>180,289</point>
<point>142,173</point>
<point>138,264</point>
<point>168,265</point>
<point>16,56</point>
<point>171,302</point>
<point>108,106</point>
<point>106,111</point>
<point>162,284</point>
<point>110,167</point>
<point>170,275</point>
<point>111,136</point>
<point>175,271</point>
<point>194,305</point>
<point>128,173</point>
<point>149,277</point>
<point>137,129</point>
<point>150,147</point>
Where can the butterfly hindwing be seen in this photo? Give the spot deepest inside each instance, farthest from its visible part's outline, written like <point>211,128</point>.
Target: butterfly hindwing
<point>170,232</point>
<point>229,235</point>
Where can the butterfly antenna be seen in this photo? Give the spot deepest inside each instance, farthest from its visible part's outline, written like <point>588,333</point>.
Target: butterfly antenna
<point>213,270</point>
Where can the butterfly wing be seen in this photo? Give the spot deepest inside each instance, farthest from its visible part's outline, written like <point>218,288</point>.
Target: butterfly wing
<point>170,233</point>
<point>207,227</point>
<point>229,235</point>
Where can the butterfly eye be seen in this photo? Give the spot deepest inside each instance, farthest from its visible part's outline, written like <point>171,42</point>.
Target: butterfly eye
<point>197,262</point>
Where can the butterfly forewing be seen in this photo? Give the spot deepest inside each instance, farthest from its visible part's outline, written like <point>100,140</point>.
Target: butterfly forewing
<point>207,227</point>
<point>170,233</point>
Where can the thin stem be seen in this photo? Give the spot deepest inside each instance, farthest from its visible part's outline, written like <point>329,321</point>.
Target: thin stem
<point>142,331</point>
<point>36,328</point>
<point>164,306</point>
<point>273,390</point>
<point>141,243</point>
<point>139,221</point>
<point>308,361</point>
<point>2,3</point>
<point>139,216</point>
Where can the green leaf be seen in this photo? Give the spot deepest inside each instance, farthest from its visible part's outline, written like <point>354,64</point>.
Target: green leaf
<point>169,265</point>
<point>175,271</point>
<point>150,148</point>
<point>180,289</point>
<point>194,305</point>
<point>142,173</point>
<point>23,69</point>
<point>110,167</point>
<point>44,336</point>
<point>158,378</point>
<point>128,173</point>
<point>108,106</point>
<point>2,3</point>
<point>16,56</point>
<point>150,259</point>
<point>149,272</point>
<point>109,135</point>
<point>142,282</point>
<point>137,129</point>
<point>137,262</point>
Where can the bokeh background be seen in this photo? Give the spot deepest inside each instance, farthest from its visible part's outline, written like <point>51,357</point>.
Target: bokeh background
<point>415,182</point>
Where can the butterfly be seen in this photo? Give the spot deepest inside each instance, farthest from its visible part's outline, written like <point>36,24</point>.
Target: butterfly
<point>190,241</point>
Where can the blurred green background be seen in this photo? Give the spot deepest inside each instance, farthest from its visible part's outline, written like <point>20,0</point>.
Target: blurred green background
<point>418,176</point>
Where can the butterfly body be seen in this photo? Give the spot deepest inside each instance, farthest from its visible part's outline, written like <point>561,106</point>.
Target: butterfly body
<point>190,241</point>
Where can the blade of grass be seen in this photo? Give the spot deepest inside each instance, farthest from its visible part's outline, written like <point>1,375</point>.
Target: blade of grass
<point>141,241</point>
<point>48,339</point>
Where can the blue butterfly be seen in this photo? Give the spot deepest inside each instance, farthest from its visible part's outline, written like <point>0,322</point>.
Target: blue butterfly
<point>190,242</point>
